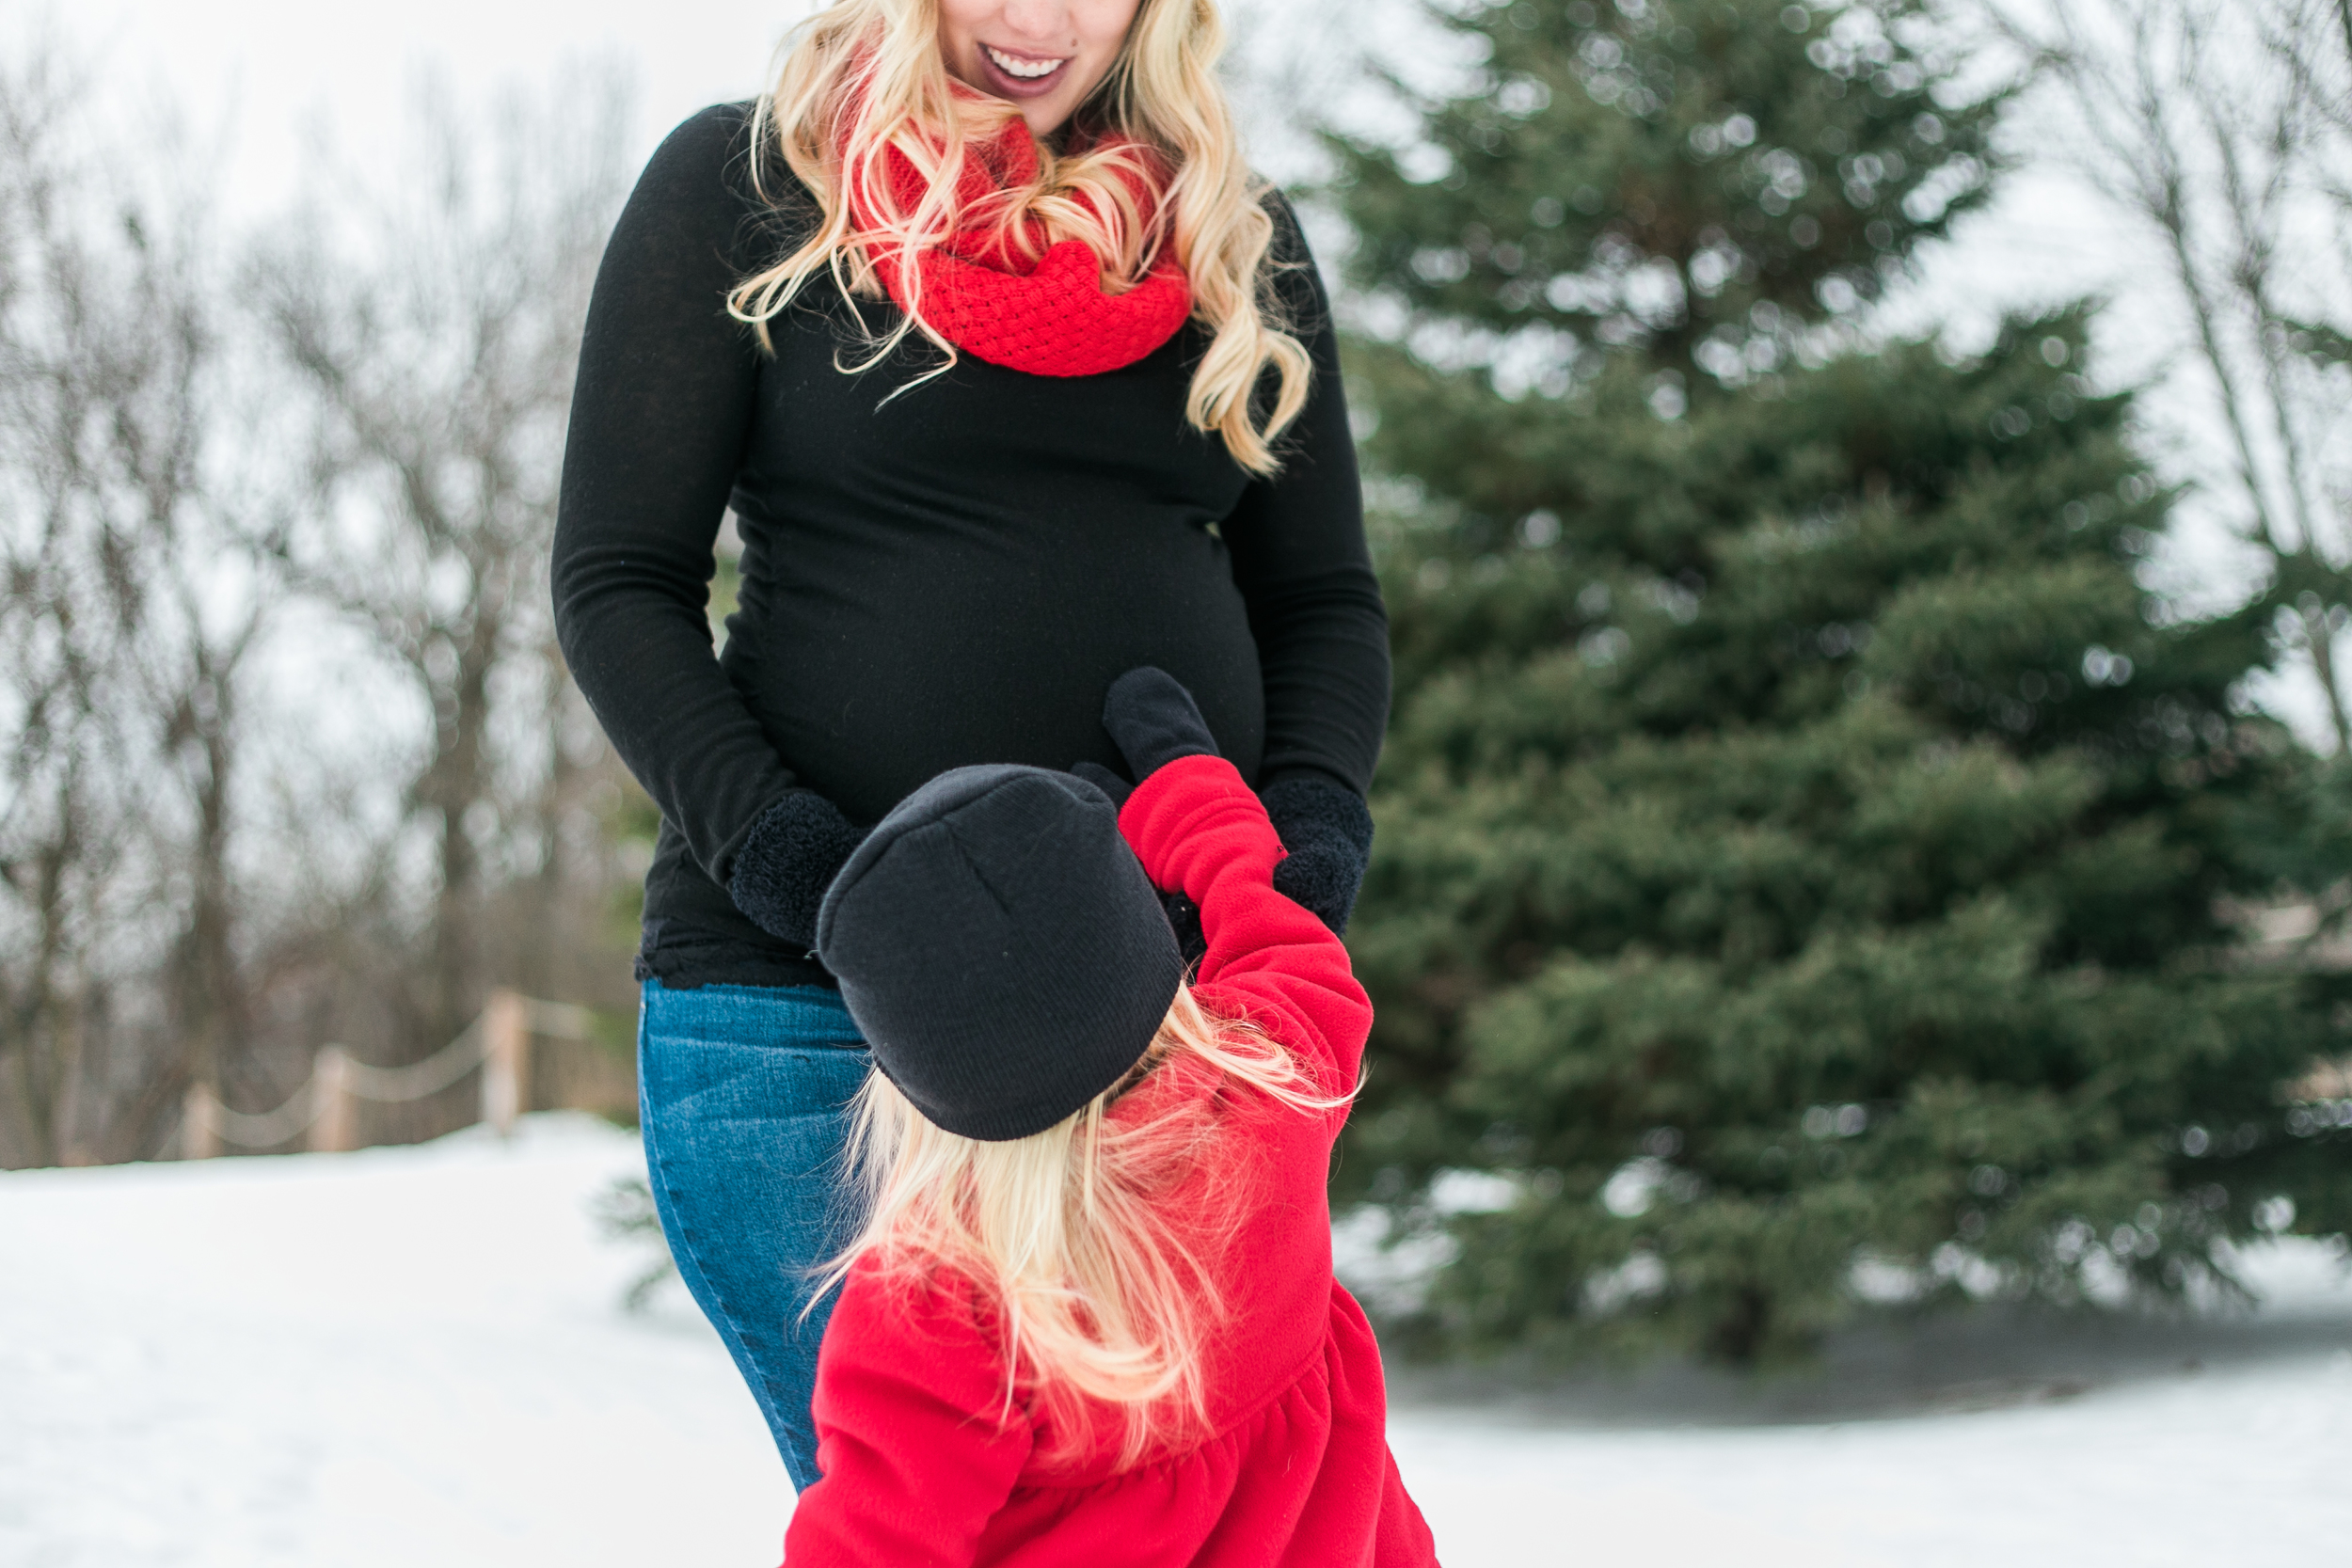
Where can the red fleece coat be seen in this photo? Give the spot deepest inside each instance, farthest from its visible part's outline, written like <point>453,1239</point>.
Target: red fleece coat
<point>923,1465</point>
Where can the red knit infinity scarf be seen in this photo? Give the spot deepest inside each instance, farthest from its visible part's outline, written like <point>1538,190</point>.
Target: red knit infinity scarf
<point>1047,317</point>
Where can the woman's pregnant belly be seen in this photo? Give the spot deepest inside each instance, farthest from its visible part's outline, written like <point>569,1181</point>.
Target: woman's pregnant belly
<point>877,661</point>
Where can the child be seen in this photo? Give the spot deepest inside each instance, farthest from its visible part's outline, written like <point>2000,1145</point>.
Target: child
<point>1091,1318</point>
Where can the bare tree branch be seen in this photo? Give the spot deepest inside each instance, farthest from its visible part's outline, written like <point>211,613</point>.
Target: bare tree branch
<point>2217,127</point>
<point>121,656</point>
<point>438,331</point>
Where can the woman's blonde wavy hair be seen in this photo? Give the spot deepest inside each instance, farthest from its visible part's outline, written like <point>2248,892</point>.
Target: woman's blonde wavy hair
<point>864,76</point>
<point>1102,1288</point>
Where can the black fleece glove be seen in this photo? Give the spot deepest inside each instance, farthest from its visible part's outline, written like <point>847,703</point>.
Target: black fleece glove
<point>1327,832</point>
<point>1104,780</point>
<point>795,849</point>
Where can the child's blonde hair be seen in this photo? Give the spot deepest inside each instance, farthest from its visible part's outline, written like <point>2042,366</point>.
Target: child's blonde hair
<point>1103,1289</point>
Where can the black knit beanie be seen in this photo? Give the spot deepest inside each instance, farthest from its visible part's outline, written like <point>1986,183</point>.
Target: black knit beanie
<point>1000,948</point>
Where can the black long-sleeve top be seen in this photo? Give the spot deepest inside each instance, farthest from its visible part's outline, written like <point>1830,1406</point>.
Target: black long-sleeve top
<point>954,575</point>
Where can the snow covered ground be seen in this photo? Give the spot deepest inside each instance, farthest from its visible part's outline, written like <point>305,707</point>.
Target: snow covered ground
<point>415,1355</point>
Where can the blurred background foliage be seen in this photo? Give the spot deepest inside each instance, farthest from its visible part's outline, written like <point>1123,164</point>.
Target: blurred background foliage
<point>291,757</point>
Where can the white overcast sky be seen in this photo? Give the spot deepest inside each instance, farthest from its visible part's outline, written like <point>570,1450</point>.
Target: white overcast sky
<point>267,71</point>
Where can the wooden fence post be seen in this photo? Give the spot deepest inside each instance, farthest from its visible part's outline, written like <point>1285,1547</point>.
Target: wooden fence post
<point>505,1060</point>
<point>337,1129</point>
<point>199,1136</point>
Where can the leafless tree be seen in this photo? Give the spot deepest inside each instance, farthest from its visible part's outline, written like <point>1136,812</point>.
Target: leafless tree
<point>2224,129</point>
<point>123,628</point>
<point>434,318</point>
<point>202,470</point>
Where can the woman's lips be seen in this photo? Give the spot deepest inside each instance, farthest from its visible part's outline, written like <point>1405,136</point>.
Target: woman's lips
<point>1005,84</point>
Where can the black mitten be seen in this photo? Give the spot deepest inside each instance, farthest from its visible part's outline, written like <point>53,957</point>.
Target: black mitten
<point>1327,832</point>
<point>795,849</point>
<point>1154,720</point>
<point>1104,780</point>
<point>1183,916</point>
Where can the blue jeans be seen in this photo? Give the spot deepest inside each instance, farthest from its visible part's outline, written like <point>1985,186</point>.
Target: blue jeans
<point>744,1093</point>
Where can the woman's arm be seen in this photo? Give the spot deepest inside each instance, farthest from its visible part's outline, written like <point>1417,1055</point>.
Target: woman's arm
<point>1300,560</point>
<point>661,412</point>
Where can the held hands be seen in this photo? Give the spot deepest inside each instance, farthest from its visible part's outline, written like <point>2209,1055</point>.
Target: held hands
<point>1326,830</point>
<point>800,841</point>
<point>1152,721</point>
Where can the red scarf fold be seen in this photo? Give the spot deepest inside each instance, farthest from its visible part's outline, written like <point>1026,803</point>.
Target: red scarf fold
<point>1048,316</point>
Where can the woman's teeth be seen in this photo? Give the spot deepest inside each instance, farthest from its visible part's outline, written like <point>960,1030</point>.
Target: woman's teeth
<point>1029,71</point>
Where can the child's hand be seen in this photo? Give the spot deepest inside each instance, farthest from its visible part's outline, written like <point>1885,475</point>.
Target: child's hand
<point>1104,780</point>
<point>1154,720</point>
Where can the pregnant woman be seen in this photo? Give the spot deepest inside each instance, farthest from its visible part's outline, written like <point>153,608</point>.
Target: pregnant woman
<point>1014,379</point>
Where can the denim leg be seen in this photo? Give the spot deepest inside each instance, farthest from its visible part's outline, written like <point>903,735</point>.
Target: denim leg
<point>744,1093</point>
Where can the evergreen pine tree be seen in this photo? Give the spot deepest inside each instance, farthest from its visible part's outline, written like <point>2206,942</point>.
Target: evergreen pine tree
<point>1806,845</point>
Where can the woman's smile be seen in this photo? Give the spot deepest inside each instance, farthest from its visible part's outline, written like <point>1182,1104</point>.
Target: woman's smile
<point>1023,67</point>
<point>1045,55</point>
